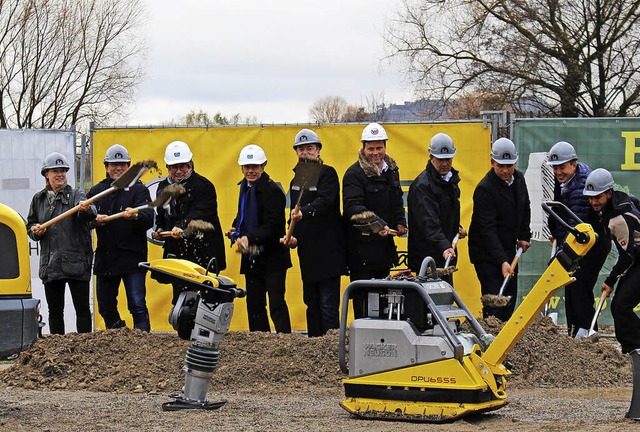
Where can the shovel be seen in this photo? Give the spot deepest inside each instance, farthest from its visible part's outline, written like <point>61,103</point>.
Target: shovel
<point>196,227</point>
<point>367,223</point>
<point>500,300</point>
<point>163,197</point>
<point>306,178</point>
<point>582,333</point>
<point>126,180</point>
<point>552,315</point>
<point>454,243</point>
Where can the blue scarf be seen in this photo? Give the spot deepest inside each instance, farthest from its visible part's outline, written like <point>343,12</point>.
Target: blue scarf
<point>247,211</point>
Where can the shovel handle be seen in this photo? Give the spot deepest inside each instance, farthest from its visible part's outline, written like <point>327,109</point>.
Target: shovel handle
<point>296,209</point>
<point>514,264</point>
<point>454,244</point>
<point>76,208</point>
<point>516,258</point>
<point>121,214</point>
<point>598,309</point>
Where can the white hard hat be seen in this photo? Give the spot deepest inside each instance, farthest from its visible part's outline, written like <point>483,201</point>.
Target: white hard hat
<point>117,153</point>
<point>252,155</point>
<point>560,153</point>
<point>374,132</point>
<point>441,146</point>
<point>504,151</point>
<point>54,160</point>
<point>598,181</point>
<point>177,152</point>
<point>307,136</point>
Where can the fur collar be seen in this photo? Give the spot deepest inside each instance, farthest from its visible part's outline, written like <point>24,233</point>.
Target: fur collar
<point>370,169</point>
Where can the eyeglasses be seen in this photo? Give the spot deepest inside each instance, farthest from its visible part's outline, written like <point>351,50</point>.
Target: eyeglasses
<point>180,166</point>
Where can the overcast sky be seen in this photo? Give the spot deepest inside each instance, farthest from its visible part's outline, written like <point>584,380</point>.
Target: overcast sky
<point>268,59</point>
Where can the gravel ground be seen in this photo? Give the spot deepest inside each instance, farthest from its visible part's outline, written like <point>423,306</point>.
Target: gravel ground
<point>117,380</point>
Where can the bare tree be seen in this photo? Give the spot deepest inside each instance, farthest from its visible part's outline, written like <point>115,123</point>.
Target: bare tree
<point>557,57</point>
<point>64,61</point>
<point>469,105</point>
<point>202,118</point>
<point>354,114</point>
<point>329,109</point>
<point>376,107</point>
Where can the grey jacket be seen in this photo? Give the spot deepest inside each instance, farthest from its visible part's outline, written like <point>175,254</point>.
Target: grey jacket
<point>65,247</point>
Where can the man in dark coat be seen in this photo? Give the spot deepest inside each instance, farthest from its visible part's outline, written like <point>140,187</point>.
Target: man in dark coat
<point>256,231</point>
<point>620,219</point>
<point>372,185</point>
<point>317,233</point>
<point>122,244</point>
<point>434,207</point>
<point>198,202</point>
<point>500,224</point>
<point>570,176</point>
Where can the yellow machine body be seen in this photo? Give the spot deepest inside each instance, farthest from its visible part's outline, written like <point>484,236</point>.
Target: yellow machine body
<point>20,320</point>
<point>395,373</point>
<point>15,279</point>
<point>183,270</point>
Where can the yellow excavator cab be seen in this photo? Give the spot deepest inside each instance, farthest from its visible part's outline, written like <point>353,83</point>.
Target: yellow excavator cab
<point>19,312</point>
<point>15,271</point>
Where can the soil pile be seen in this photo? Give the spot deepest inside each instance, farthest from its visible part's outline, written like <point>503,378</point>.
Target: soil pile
<point>124,361</point>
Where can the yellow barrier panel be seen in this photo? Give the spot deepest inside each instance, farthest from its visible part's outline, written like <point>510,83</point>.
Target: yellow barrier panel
<point>216,152</point>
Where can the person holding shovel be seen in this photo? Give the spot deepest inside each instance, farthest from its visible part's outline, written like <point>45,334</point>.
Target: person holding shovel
<point>500,224</point>
<point>197,203</point>
<point>434,208</point>
<point>122,243</point>
<point>317,233</point>
<point>620,219</point>
<point>256,232</point>
<point>372,186</point>
<point>570,176</point>
<point>65,247</point>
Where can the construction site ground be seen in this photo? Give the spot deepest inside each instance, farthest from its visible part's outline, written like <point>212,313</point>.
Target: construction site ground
<point>117,380</point>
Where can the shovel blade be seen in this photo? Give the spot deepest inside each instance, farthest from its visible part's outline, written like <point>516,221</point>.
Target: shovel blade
<point>583,333</point>
<point>373,227</point>
<point>132,175</point>
<point>307,174</point>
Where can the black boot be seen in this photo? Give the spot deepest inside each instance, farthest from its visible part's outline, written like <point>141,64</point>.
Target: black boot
<point>116,325</point>
<point>56,324</point>
<point>634,409</point>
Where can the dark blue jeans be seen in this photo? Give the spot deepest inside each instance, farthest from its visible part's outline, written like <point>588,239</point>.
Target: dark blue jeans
<point>107,293</point>
<point>323,301</point>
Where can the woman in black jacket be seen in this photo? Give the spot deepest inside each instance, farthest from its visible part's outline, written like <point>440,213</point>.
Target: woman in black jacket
<point>65,247</point>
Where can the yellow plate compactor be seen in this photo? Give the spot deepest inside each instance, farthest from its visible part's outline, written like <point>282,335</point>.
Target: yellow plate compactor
<point>408,358</point>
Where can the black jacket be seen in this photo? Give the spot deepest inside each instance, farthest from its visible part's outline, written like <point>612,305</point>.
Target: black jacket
<point>321,247</point>
<point>501,217</point>
<point>434,215</point>
<point>122,243</point>
<point>621,220</point>
<point>199,202</point>
<point>65,247</point>
<point>272,255</point>
<point>365,189</point>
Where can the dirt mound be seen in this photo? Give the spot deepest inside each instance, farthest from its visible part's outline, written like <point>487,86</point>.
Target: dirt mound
<point>127,360</point>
